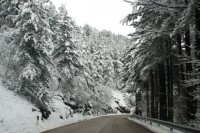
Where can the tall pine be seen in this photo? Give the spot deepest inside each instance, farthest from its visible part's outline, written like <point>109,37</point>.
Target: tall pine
<point>33,44</point>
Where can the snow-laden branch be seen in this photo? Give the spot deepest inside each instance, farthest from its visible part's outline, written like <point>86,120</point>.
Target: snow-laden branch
<point>162,5</point>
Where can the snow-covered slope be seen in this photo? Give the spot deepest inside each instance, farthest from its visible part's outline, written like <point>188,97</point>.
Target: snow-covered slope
<point>118,96</point>
<point>16,115</point>
<point>119,99</point>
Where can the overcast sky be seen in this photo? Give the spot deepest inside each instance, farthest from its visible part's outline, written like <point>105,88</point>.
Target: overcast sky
<point>101,14</point>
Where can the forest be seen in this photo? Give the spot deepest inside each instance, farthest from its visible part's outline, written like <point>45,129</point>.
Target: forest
<point>45,55</point>
<point>162,67</point>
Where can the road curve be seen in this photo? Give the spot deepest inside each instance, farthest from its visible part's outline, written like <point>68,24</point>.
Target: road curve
<point>105,124</point>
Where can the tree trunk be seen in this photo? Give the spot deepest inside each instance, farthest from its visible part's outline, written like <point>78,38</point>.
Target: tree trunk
<point>156,80</point>
<point>163,93</point>
<point>181,65</point>
<point>191,102</point>
<point>152,95</point>
<point>170,85</point>
<point>147,93</point>
<point>181,89</point>
<point>138,98</point>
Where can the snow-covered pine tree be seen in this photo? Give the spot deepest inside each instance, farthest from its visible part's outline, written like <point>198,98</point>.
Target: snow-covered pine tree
<point>8,10</point>
<point>151,47</point>
<point>33,44</point>
<point>170,20</point>
<point>65,52</point>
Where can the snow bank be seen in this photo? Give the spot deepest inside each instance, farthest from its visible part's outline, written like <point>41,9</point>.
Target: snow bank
<point>54,121</point>
<point>16,114</point>
<point>154,127</point>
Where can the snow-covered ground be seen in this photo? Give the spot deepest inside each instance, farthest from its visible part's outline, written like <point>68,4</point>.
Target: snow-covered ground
<point>120,99</point>
<point>16,115</point>
<point>154,127</point>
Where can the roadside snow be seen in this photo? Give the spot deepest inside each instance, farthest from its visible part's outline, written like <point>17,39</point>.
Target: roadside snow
<point>154,127</point>
<point>54,121</point>
<point>118,96</point>
<point>16,115</point>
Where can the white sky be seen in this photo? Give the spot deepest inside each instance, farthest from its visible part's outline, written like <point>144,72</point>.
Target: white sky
<point>101,14</point>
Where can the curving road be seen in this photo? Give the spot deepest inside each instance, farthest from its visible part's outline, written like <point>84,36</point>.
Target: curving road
<point>106,124</point>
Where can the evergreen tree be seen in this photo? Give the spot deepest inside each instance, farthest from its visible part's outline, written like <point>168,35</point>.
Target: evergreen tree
<point>33,44</point>
<point>159,26</point>
<point>64,52</point>
<point>8,10</point>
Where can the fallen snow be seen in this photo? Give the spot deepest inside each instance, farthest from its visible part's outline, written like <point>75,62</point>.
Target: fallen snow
<point>119,97</point>
<point>154,127</point>
<point>54,121</point>
<point>16,115</point>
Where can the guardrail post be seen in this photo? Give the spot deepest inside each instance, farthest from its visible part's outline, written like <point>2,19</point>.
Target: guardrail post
<point>171,129</point>
<point>150,122</point>
<point>37,120</point>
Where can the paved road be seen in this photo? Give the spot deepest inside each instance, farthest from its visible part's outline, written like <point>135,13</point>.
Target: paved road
<point>106,124</point>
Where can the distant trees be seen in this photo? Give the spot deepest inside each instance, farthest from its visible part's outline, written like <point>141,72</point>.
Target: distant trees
<point>165,54</point>
<point>102,55</point>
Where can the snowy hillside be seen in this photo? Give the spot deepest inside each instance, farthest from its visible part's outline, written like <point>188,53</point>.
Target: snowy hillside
<point>118,100</point>
<point>16,115</point>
